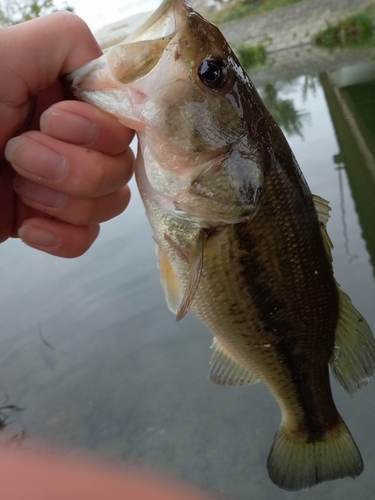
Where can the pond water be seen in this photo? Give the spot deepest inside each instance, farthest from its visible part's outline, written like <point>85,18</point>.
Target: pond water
<point>93,357</point>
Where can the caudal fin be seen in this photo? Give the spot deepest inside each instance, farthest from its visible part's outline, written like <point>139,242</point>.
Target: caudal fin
<point>295,463</point>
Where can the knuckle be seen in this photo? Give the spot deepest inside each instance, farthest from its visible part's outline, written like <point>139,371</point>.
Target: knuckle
<point>81,212</point>
<point>87,178</point>
<point>98,180</point>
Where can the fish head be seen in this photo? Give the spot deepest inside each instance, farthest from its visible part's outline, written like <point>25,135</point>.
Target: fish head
<point>178,83</point>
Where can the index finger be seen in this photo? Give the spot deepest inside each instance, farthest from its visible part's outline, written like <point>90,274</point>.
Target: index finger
<point>34,55</point>
<point>80,123</point>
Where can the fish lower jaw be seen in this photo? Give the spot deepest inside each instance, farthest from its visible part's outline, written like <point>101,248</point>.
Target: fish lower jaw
<point>110,99</point>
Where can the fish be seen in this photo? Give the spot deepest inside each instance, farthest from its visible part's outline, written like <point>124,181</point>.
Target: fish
<point>241,241</point>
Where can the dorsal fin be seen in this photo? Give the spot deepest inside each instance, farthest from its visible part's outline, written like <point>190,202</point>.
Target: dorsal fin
<point>353,359</point>
<point>322,210</point>
<point>225,370</point>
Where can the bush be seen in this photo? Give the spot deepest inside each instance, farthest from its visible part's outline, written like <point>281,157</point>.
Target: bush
<point>352,31</point>
<point>252,56</point>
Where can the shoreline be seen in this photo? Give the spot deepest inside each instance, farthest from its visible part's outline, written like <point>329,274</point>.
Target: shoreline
<point>290,27</point>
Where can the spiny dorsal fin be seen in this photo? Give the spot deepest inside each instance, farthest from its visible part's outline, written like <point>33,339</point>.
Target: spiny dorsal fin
<point>353,359</point>
<point>322,209</point>
<point>227,371</point>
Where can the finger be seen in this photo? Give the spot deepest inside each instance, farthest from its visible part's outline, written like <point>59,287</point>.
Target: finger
<point>56,44</point>
<point>58,238</point>
<point>70,169</point>
<point>80,123</point>
<point>79,211</point>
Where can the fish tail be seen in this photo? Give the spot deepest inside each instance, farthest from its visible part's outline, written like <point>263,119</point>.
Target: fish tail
<point>298,462</point>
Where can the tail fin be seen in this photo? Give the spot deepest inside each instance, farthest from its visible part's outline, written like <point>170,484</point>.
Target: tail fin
<point>295,463</point>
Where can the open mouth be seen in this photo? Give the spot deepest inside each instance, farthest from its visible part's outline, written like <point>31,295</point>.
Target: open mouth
<point>162,23</point>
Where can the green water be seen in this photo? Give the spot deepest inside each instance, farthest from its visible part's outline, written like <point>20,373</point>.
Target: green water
<point>90,352</point>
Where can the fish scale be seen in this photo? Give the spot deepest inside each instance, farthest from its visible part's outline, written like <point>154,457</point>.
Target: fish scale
<point>241,241</point>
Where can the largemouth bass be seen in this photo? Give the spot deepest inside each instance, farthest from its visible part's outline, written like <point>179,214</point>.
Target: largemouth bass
<point>241,240</point>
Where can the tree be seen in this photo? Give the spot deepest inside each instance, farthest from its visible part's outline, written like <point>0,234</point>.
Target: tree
<point>17,11</point>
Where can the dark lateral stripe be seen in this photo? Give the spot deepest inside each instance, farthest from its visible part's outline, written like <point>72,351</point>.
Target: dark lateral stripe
<point>281,332</point>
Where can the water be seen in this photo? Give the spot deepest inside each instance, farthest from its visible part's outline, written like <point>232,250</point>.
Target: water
<point>91,354</point>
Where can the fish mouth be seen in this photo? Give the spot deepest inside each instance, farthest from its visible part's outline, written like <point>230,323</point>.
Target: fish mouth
<point>139,53</point>
<point>164,22</point>
<point>114,81</point>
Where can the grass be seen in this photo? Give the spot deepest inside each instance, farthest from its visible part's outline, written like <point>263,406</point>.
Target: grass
<point>352,31</point>
<point>237,9</point>
<point>251,56</point>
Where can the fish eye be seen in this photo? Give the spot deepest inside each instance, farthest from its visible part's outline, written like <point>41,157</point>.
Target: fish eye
<point>212,73</point>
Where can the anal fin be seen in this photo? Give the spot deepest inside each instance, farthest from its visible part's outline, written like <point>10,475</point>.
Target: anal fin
<point>225,370</point>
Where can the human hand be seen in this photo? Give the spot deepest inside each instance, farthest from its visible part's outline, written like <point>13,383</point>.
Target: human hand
<point>71,161</point>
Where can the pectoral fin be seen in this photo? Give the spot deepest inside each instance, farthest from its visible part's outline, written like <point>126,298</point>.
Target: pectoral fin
<point>353,360</point>
<point>169,283</point>
<point>195,267</point>
<point>179,302</point>
<point>227,371</point>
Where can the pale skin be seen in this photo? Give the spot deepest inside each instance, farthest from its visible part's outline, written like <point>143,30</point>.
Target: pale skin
<point>66,164</point>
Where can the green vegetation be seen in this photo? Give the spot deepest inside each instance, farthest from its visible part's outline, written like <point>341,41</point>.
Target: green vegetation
<point>17,11</point>
<point>352,31</point>
<point>237,9</point>
<point>251,56</point>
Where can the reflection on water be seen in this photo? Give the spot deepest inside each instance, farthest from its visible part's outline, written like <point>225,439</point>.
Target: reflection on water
<point>289,118</point>
<point>8,413</point>
<point>350,95</point>
<point>90,351</point>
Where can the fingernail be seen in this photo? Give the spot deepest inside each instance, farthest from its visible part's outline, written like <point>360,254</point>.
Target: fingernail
<point>37,236</point>
<point>69,127</point>
<point>35,158</point>
<point>40,194</point>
